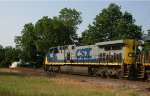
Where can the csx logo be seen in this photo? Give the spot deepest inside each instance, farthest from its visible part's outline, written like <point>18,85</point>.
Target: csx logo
<point>83,53</point>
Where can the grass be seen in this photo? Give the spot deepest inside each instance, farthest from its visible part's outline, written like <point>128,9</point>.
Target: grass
<point>12,84</point>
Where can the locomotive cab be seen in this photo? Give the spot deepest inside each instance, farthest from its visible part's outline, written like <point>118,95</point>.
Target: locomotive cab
<point>110,52</point>
<point>122,51</point>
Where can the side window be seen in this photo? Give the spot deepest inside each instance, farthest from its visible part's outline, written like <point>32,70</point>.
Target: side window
<point>61,49</point>
<point>51,50</point>
<point>119,56</point>
<point>73,47</point>
<point>116,47</point>
<point>107,48</point>
<point>102,57</point>
<point>104,54</point>
<point>56,50</point>
<point>65,47</point>
<point>68,56</point>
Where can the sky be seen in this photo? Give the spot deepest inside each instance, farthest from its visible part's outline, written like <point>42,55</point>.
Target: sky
<point>14,14</point>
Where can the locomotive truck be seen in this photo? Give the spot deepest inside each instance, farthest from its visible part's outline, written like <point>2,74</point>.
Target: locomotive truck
<point>116,59</point>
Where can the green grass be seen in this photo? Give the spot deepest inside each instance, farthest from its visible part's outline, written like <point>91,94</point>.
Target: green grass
<point>12,84</point>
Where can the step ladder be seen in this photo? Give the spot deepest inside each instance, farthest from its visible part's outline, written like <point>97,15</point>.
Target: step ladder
<point>126,68</point>
<point>140,71</point>
<point>140,67</point>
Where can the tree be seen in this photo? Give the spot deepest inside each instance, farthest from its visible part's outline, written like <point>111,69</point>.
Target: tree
<point>71,18</point>
<point>43,34</point>
<point>10,55</point>
<point>1,55</point>
<point>111,24</point>
<point>26,43</point>
<point>47,32</point>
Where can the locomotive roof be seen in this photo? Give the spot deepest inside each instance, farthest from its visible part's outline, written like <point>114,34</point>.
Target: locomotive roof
<point>110,42</point>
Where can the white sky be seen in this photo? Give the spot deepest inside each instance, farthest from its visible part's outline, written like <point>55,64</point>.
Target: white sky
<point>15,14</point>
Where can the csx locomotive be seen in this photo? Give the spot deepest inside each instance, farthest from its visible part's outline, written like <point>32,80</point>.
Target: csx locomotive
<point>118,59</point>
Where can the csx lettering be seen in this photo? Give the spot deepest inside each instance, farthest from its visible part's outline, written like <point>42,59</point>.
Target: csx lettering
<point>83,53</point>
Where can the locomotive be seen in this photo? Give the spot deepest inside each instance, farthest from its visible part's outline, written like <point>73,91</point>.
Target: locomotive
<point>116,59</point>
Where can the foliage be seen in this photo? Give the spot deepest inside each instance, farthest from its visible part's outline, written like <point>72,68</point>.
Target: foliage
<point>26,43</point>
<point>9,55</point>
<point>112,24</point>
<point>1,55</point>
<point>71,18</point>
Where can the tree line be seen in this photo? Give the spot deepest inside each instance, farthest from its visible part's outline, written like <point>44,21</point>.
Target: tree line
<point>35,40</point>
<point>8,55</point>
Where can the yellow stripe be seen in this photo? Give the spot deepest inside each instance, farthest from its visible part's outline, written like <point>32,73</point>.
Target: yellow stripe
<point>147,64</point>
<point>86,63</point>
<point>81,63</point>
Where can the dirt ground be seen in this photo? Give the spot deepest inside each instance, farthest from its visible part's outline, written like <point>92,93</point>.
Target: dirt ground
<point>142,87</point>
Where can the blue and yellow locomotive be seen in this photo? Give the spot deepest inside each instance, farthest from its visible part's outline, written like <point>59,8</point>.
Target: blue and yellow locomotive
<point>106,59</point>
